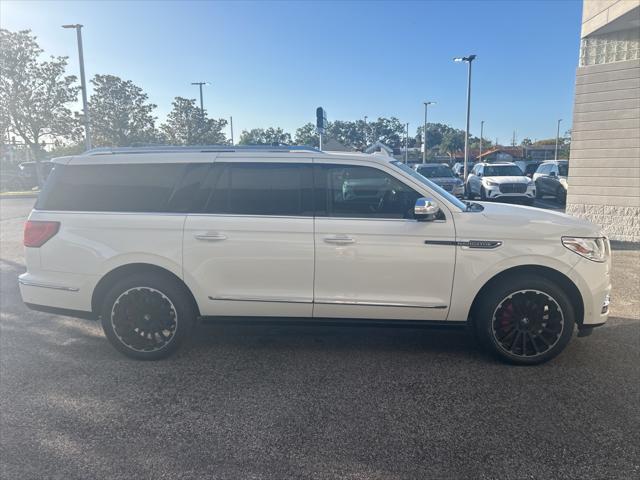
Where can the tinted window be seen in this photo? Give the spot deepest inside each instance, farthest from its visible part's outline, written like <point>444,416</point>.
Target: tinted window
<point>435,171</point>
<point>563,169</point>
<point>502,171</point>
<point>191,193</point>
<point>362,192</point>
<point>110,188</point>
<point>261,189</point>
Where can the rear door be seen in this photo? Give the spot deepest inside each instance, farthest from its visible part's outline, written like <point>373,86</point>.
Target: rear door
<point>373,260</point>
<point>250,251</point>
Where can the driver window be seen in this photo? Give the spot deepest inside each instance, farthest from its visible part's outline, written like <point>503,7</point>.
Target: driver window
<point>363,192</point>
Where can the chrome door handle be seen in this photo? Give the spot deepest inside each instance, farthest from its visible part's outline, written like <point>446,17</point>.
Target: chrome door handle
<point>339,240</point>
<point>210,237</point>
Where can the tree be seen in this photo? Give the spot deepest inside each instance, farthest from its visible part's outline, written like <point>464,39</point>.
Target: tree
<point>307,135</point>
<point>452,142</point>
<point>389,131</point>
<point>260,136</point>
<point>120,113</point>
<point>34,94</point>
<point>526,142</point>
<point>187,125</point>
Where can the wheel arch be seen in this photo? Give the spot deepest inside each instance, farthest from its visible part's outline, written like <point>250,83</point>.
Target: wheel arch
<point>564,282</point>
<point>123,271</point>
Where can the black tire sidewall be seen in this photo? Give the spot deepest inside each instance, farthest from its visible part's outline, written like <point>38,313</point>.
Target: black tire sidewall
<point>484,313</point>
<point>169,287</point>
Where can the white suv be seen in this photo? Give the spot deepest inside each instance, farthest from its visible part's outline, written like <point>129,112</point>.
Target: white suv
<point>493,181</point>
<point>149,240</point>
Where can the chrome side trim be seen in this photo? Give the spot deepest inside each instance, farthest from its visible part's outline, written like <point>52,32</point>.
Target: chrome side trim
<point>380,304</point>
<point>47,285</point>
<point>258,299</point>
<point>478,244</point>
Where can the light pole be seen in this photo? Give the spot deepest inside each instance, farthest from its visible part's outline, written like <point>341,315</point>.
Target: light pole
<point>406,144</point>
<point>231,123</point>
<point>83,84</point>
<point>424,132</point>
<point>481,132</point>
<point>366,132</point>
<point>469,60</point>
<point>557,139</point>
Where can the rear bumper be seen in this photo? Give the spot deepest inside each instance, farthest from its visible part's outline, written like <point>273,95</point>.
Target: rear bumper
<point>57,290</point>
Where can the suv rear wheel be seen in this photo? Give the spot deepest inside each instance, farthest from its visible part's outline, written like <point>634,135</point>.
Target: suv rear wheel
<point>526,320</point>
<point>147,317</point>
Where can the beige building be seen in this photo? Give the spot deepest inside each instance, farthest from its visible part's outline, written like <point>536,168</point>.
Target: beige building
<point>605,148</point>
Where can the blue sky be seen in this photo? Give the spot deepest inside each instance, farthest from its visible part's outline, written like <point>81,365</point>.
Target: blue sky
<point>273,63</point>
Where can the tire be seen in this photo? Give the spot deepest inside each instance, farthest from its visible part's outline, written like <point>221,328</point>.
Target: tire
<point>538,192</point>
<point>528,202</point>
<point>530,330</point>
<point>467,192</point>
<point>483,194</point>
<point>147,317</point>
<point>561,195</point>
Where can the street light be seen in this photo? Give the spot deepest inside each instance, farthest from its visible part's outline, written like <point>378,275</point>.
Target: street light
<point>481,132</point>
<point>557,139</point>
<point>406,145</point>
<point>469,60</point>
<point>424,132</point>
<point>83,84</point>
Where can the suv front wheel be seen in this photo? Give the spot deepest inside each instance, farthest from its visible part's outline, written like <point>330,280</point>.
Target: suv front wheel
<point>147,317</point>
<point>525,321</point>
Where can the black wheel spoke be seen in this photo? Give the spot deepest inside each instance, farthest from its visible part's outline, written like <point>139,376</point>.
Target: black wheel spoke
<point>527,323</point>
<point>144,319</point>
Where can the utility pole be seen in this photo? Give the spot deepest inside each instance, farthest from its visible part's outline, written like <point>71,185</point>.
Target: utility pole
<point>557,139</point>
<point>200,84</point>
<point>513,139</point>
<point>406,145</point>
<point>366,131</point>
<point>231,123</point>
<point>83,85</point>
<point>424,132</point>
<point>481,132</point>
<point>469,60</point>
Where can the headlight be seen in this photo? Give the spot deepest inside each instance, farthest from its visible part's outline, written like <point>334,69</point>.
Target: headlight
<point>489,183</point>
<point>595,249</point>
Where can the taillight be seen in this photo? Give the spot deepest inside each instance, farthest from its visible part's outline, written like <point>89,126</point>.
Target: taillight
<point>37,233</point>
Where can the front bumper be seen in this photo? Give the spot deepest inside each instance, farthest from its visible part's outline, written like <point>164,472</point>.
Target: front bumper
<point>494,192</point>
<point>593,279</point>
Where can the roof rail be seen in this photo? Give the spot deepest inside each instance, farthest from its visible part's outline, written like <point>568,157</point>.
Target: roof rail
<point>199,148</point>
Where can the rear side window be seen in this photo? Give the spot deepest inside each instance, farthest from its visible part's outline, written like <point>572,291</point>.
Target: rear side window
<point>261,189</point>
<point>111,188</point>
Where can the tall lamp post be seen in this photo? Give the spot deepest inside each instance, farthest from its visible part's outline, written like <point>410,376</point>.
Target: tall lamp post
<point>83,84</point>
<point>481,133</point>
<point>424,132</point>
<point>366,132</point>
<point>557,139</point>
<point>469,60</point>
<point>406,144</point>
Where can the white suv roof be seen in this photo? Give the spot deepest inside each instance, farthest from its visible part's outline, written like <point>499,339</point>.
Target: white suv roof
<point>171,154</point>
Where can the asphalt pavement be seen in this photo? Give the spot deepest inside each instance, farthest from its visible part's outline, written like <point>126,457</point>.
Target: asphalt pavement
<point>311,402</point>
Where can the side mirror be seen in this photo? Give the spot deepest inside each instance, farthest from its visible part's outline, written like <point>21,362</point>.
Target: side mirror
<point>479,174</point>
<point>425,210</point>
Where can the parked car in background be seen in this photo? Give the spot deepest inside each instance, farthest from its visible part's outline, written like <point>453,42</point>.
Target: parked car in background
<point>149,240</point>
<point>458,168</point>
<point>441,175</point>
<point>551,179</point>
<point>27,171</point>
<point>530,169</point>
<point>493,181</point>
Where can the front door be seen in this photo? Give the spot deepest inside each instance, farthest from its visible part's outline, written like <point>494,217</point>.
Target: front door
<point>251,251</point>
<point>373,259</point>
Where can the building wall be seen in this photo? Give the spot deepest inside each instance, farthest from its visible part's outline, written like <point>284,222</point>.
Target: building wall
<point>604,174</point>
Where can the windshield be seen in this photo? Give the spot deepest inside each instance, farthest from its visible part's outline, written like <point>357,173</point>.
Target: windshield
<point>502,171</point>
<point>422,179</point>
<point>435,171</point>
<point>563,169</point>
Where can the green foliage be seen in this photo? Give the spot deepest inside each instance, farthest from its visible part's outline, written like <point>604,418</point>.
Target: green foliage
<point>34,94</point>
<point>261,136</point>
<point>307,135</point>
<point>187,125</point>
<point>120,113</point>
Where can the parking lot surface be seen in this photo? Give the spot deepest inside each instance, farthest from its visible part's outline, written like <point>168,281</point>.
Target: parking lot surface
<point>316,402</point>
